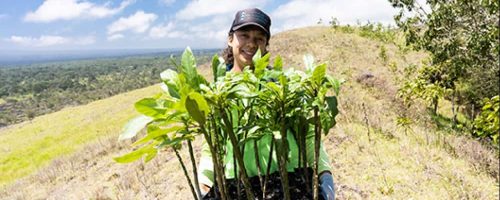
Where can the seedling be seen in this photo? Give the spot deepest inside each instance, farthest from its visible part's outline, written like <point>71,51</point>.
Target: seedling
<point>236,110</point>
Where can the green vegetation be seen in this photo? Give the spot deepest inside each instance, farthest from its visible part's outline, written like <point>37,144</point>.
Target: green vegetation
<point>37,89</point>
<point>462,40</point>
<point>404,159</point>
<point>28,147</point>
<point>237,107</point>
<point>376,31</point>
<point>486,125</point>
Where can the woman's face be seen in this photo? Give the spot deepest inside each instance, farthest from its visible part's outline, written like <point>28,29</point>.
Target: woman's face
<point>245,42</point>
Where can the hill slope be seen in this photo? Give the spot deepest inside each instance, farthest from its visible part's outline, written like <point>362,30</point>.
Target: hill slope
<point>371,156</point>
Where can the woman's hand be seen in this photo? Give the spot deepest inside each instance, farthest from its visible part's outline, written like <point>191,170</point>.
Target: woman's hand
<point>204,189</point>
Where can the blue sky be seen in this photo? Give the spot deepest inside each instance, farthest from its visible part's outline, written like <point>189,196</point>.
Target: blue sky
<point>143,24</point>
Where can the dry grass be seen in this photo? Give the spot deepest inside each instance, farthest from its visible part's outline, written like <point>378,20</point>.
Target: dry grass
<point>91,173</point>
<point>372,157</point>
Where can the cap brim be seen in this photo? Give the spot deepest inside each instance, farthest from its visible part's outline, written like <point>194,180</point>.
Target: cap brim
<point>250,23</point>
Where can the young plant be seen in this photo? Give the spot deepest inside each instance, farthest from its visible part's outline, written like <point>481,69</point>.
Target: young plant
<point>236,110</point>
<point>324,108</point>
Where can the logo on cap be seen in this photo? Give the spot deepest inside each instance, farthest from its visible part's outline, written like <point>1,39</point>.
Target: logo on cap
<point>242,17</point>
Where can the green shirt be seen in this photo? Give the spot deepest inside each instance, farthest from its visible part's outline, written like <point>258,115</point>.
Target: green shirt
<point>206,175</point>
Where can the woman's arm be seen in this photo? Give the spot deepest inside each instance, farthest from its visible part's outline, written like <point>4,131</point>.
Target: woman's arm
<point>205,169</point>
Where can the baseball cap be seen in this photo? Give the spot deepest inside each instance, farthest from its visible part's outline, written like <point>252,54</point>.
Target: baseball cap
<point>252,16</point>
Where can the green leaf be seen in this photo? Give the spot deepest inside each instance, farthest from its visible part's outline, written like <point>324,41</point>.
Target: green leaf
<point>274,88</point>
<point>257,56</point>
<point>319,74</point>
<point>278,63</point>
<point>155,132</point>
<point>150,155</point>
<point>328,117</point>
<point>215,66</point>
<point>308,62</point>
<point>218,67</point>
<point>221,71</point>
<point>134,126</point>
<point>169,75</point>
<point>283,81</point>
<point>271,75</point>
<point>149,150</point>
<point>188,62</point>
<point>171,142</point>
<point>188,68</point>
<point>260,63</point>
<point>197,107</point>
<point>335,83</point>
<point>152,107</point>
<point>241,91</point>
<point>171,79</point>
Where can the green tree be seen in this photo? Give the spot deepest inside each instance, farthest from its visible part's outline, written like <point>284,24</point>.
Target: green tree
<point>462,39</point>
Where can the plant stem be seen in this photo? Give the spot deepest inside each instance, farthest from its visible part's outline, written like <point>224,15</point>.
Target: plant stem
<point>300,138</point>
<point>185,172</point>
<point>283,155</point>
<point>317,141</point>
<point>237,153</point>
<point>216,161</point>
<point>217,141</point>
<point>195,171</point>
<point>257,162</point>
<point>269,163</point>
<point>236,177</point>
<point>302,132</point>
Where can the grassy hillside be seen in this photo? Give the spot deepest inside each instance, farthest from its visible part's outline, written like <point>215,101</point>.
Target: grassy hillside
<point>30,146</point>
<point>372,157</point>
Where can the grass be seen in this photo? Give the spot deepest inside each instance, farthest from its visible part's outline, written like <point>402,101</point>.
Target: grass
<point>30,146</point>
<point>425,162</point>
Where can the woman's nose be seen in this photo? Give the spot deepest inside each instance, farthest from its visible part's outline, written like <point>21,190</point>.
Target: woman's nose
<point>252,43</point>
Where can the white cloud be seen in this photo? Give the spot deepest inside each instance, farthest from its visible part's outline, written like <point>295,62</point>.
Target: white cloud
<point>299,13</point>
<point>138,22</point>
<point>50,40</point>
<point>165,31</point>
<point>205,8</point>
<point>52,10</point>
<point>215,29</point>
<point>166,2</point>
<point>115,37</point>
<point>42,41</point>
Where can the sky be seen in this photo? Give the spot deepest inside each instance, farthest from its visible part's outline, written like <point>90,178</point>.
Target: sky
<point>38,25</point>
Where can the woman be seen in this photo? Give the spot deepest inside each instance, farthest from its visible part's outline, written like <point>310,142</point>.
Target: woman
<point>248,33</point>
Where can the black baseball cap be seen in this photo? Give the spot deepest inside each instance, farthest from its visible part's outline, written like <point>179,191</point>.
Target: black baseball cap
<point>252,16</point>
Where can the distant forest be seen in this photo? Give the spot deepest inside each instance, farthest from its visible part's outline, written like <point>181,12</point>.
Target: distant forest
<point>31,90</point>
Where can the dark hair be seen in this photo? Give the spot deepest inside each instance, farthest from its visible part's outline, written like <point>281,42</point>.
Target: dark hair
<point>227,53</point>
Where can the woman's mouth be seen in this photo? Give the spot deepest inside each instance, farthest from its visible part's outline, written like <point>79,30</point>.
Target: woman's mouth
<point>248,54</point>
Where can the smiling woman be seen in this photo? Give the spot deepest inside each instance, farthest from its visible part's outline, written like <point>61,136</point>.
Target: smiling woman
<point>249,33</point>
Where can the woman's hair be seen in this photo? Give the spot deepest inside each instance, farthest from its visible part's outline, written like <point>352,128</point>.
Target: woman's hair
<point>227,53</point>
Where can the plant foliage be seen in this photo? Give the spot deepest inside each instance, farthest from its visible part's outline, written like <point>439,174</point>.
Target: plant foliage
<point>461,37</point>
<point>234,109</point>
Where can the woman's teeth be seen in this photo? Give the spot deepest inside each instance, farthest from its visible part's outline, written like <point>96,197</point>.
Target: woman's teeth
<point>249,53</point>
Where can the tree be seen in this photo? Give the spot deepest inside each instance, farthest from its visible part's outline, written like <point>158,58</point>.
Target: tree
<point>462,39</point>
